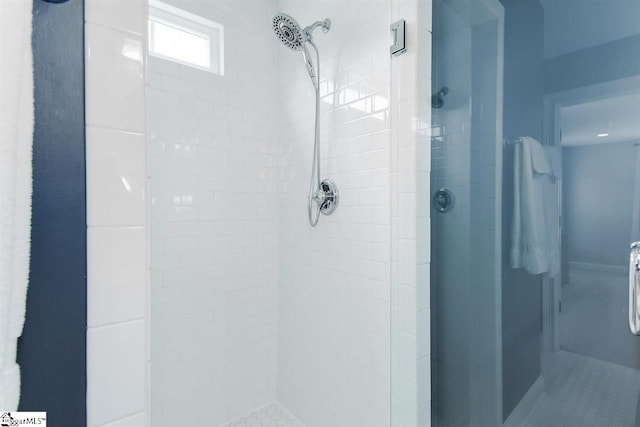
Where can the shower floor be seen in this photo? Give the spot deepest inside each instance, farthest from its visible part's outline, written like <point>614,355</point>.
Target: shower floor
<point>587,392</point>
<point>273,415</point>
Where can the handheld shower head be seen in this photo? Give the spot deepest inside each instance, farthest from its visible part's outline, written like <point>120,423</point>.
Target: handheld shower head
<point>322,194</point>
<point>291,34</point>
<point>288,31</point>
<point>296,38</point>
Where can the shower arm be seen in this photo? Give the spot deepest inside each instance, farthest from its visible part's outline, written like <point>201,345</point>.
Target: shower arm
<point>308,31</point>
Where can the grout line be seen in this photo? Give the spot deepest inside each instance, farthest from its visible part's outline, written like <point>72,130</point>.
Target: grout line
<point>119,323</point>
<point>122,418</point>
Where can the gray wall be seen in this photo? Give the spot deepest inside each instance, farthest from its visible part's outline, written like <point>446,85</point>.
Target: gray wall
<point>609,61</point>
<point>484,288</point>
<point>598,200</point>
<point>523,111</point>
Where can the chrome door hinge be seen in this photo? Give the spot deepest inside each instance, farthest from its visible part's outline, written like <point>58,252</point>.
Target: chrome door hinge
<point>397,30</point>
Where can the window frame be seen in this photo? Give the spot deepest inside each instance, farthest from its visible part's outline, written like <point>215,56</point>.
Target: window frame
<point>179,19</point>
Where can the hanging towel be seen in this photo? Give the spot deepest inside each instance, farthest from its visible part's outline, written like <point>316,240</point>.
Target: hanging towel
<point>528,231</point>
<point>539,158</point>
<point>16,135</point>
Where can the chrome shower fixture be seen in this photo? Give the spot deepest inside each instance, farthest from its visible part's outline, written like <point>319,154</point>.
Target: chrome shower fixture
<point>290,32</point>
<point>292,35</point>
<point>437,100</point>
<point>323,194</point>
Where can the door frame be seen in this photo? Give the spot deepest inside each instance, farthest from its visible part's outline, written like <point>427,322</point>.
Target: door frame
<point>552,133</point>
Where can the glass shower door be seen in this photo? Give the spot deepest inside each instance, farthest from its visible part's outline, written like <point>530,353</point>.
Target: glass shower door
<point>466,125</point>
<point>535,189</point>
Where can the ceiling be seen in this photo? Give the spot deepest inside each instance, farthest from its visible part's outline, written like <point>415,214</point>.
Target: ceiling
<point>617,116</point>
<point>571,25</point>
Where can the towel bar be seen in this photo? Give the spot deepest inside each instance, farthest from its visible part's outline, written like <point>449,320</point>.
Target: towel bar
<point>509,142</point>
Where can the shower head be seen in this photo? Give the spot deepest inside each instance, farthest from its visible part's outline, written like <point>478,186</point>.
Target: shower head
<point>291,34</point>
<point>296,38</point>
<point>288,31</point>
<point>437,100</point>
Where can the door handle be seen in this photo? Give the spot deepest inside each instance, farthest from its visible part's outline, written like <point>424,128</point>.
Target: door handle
<point>634,288</point>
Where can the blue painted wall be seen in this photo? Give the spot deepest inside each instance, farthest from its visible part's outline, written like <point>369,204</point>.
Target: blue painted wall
<point>52,349</point>
<point>598,188</point>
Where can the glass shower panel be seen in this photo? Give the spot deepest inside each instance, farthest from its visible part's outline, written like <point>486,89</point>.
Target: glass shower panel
<point>535,189</point>
<point>466,120</point>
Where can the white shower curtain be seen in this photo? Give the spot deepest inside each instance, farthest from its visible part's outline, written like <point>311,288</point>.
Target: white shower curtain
<point>16,136</point>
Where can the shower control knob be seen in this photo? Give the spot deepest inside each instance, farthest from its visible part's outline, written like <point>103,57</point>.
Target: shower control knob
<point>328,197</point>
<point>319,197</point>
<point>443,200</point>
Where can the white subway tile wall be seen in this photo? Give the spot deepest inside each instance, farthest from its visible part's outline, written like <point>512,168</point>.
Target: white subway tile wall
<point>114,78</point>
<point>116,367</point>
<point>334,301</point>
<point>410,218</point>
<point>117,213</point>
<point>117,177</point>
<point>249,304</point>
<point>137,420</point>
<point>126,15</point>
<point>422,132</point>
<point>215,169</point>
<point>116,274</point>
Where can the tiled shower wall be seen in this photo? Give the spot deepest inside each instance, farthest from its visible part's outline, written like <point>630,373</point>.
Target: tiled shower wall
<point>334,301</point>
<point>215,169</point>
<point>238,273</point>
<point>410,218</point>
<point>117,213</point>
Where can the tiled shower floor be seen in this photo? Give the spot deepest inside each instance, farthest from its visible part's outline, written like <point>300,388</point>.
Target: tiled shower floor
<point>273,415</point>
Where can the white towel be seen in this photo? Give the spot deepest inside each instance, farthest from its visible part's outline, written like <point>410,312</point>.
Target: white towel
<point>10,380</point>
<point>528,232</point>
<point>16,136</point>
<point>539,158</point>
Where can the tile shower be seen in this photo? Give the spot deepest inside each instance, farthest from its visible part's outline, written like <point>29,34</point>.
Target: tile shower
<point>209,296</point>
<point>275,308</point>
<point>247,304</point>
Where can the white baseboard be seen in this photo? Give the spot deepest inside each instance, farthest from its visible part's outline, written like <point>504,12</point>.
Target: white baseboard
<point>527,405</point>
<point>604,268</point>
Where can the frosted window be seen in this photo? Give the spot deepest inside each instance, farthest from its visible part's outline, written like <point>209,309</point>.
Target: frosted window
<point>179,36</point>
<point>182,45</point>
